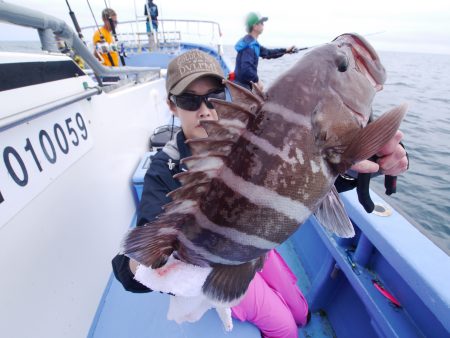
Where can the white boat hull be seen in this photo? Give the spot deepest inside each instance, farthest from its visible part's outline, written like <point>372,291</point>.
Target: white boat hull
<point>55,251</point>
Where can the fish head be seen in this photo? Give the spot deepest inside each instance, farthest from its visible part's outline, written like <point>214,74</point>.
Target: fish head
<point>353,74</point>
<point>333,86</point>
<point>340,118</point>
<point>359,74</point>
<point>347,69</point>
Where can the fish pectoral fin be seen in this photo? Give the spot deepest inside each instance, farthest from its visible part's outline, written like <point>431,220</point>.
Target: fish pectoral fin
<point>232,111</point>
<point>152,244</point>
<point>149,245</point>
<point>332,215</point>
<point>373,137</point>
<point>226,283</point>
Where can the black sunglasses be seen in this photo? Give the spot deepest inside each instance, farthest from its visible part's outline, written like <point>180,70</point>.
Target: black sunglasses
<point>192,102</point>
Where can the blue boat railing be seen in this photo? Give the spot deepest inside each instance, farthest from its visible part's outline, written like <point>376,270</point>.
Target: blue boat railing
<point>387,281</point>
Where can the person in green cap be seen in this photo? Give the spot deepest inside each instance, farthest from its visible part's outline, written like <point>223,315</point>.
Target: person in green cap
<point>249,50</point>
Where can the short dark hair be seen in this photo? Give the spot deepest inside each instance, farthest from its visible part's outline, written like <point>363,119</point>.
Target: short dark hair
<point>107,13</point>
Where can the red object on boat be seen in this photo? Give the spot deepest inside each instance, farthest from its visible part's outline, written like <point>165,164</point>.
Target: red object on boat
<point>386,293</point>
<point>231,76</point>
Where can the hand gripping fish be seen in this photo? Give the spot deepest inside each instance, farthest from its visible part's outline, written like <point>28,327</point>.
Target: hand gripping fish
<point>269,162</point>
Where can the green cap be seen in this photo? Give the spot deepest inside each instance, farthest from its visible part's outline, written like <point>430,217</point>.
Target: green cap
<point>252,19</point>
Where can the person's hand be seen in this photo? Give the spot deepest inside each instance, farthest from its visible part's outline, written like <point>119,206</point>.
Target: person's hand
<point>290,50</point>
<point>393,160</point>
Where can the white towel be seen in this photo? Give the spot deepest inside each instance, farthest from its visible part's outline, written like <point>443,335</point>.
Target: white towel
<point>185,281</point>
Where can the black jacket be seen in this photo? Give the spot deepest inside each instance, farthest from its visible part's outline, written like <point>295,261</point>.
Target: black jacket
<point>158,181</point>
<point>248,53</point>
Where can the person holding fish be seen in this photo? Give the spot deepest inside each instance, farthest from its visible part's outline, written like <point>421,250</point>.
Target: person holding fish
<point>272,301</point>
<point>249,51</point>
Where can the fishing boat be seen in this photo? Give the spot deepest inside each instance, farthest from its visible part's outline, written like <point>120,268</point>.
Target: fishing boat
<point>74,151</point>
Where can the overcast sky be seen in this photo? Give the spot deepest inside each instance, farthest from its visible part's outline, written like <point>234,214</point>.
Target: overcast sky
<point>397,25</point>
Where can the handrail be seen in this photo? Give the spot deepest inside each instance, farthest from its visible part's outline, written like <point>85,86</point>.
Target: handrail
<point>143,18</point>
<point>23,16</point>
<point>170,31</point>
<point>18,118</point>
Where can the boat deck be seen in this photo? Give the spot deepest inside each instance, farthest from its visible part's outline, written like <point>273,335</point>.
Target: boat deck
<point>124,314</point>
<point>338,277</point>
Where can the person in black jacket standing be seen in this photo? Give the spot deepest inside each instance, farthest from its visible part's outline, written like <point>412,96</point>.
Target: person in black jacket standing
<point>249,51</point>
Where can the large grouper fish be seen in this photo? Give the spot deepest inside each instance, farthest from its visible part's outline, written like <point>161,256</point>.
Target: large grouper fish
<point>268,163</point>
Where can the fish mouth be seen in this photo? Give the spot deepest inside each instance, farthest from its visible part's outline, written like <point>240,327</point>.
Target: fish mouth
<point>366,58</point>
<point>361,118</point>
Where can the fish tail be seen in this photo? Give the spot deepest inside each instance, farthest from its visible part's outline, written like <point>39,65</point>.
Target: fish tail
<point>226,283</point>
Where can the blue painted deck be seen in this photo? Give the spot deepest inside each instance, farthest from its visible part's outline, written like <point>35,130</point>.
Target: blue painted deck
<point>122,314</point>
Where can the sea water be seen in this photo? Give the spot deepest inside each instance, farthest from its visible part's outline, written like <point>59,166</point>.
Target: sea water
<point>423,82</point>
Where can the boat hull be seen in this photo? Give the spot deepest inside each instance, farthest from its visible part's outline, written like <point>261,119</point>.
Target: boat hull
<point>57,247</point>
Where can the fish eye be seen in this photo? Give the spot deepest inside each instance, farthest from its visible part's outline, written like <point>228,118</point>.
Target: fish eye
<point>342,63</point>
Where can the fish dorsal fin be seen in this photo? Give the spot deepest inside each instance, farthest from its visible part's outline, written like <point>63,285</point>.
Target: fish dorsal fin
<point>206,163</point>
<point>224,129</point>
<point>230,111</point>
<point>206,145</point>
<point>192,190</point>
<point>258,92</point>
<point>332,215</point>
<point>187,177</point>
<point>371,138</point>
<point>244,97</point>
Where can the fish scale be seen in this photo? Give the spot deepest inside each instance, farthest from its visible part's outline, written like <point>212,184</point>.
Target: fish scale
<point>269,162</point>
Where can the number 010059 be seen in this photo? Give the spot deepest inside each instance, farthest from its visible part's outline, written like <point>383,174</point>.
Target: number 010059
<point>35,153</point>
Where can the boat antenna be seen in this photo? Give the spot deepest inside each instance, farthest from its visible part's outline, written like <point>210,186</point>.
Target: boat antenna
<point>75,21</point>
<point>102,38</point>
<point>113,29</point>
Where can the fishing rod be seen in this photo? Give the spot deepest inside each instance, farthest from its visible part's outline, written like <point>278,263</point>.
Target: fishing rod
<point>113,29</point>
<point>66,48</point>
<point>102,38</point>
<point>75,21</point>
<point>296,50</point>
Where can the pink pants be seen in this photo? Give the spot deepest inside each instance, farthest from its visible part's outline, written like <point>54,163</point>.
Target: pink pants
<point>273,301</point>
